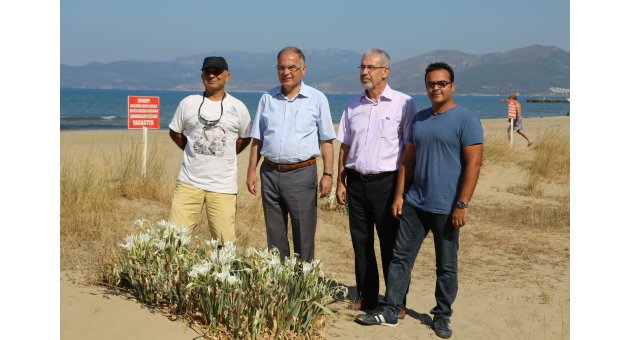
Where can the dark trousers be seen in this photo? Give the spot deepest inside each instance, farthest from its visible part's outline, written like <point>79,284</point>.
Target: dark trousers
<point>369,204</point>
<point>291,193</point>
<point>415,224</point>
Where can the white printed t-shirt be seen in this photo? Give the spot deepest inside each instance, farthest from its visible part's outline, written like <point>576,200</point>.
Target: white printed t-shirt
<point>210,153</point>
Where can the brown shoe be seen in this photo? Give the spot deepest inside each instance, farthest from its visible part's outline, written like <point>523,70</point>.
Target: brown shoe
<point>356,304</point>
<point>360,305</point>
<point>402,312</point>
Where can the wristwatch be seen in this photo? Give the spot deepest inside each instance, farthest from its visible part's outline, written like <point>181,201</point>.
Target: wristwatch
<point>461,204</point>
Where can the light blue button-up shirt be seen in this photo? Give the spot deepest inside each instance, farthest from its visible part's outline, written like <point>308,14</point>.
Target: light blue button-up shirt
<point>290,130</point>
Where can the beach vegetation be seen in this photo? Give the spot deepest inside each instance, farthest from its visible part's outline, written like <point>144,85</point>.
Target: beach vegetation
<point>497,152</point>
<point>551,161</point>
<point>251,294</point>
<point>99,189</point>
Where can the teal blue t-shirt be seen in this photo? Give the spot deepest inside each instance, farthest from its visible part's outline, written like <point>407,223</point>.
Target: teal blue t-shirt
<point>439,141</point>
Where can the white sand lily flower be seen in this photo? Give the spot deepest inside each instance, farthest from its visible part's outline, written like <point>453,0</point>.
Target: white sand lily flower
<point>222,276</point>
<point>163,224</point>
<point>274,262</point>
<point>233,280</point>
<point>144,237</point>
<point>199,269</point>
<point>212,243</point>
<point>184,239</point>
<point>161,245</point>
<point>180,230</point>
<point>229,247</point>
<point>139,222</point>
<point>306,267</point>
<point>250,251</point>
<point>128,243</point>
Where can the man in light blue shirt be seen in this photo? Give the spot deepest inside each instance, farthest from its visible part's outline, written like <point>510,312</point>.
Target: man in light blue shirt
<point>291,128</point>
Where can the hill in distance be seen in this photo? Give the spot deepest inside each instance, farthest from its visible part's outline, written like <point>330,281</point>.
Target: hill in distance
<point>532,70</point>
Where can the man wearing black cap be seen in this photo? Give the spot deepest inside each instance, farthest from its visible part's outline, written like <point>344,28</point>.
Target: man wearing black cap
<point>211,128</point>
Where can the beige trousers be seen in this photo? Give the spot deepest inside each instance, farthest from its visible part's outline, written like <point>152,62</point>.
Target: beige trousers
<point>188,203</point>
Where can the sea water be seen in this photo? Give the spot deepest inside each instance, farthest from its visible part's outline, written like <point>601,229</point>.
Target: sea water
<point>90,109</point>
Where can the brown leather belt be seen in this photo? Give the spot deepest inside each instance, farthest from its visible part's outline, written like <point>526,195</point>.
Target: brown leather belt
<point>290,167</point>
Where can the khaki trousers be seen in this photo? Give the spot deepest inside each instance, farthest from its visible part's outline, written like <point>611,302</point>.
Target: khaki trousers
<point>188,203</point>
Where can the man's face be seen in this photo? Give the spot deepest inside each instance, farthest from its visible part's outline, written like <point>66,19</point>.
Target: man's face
<point>371,79</point>
<point>290,70</point>
<point>437,94</point>
<point>214,79</point>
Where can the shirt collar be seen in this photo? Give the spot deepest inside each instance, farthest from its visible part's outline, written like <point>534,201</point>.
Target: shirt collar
<point>388,94</point>
<point>277,91</point>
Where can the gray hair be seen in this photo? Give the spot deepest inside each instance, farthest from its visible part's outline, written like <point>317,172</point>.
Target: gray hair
<point>294,50</point>
<point>382,54</point>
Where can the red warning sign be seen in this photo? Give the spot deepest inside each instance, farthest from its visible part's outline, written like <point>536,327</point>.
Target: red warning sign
<point>143,111</point>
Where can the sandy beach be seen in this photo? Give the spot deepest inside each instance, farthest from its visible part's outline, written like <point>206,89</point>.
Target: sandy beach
<point>513,281</point>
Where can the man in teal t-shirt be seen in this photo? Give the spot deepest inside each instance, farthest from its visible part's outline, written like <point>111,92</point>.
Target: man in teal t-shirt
<point>443,157</point>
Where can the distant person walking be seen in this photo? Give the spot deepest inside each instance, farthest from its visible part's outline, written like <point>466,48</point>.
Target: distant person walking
<point>372,132</point>
<point>211,128</point>
<point>441,161</point>
<point>291,128</point>
<point>514,105</point>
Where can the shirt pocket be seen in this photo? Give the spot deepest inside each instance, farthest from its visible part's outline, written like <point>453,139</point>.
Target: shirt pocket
<point>388,128</point>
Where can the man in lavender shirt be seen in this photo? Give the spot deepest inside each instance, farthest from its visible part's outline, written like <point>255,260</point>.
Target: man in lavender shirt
<point>372,132</point>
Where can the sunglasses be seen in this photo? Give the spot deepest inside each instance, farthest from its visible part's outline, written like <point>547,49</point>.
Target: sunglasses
<point>208,71</point>
<point>206,122</point>
<point>440,84</point>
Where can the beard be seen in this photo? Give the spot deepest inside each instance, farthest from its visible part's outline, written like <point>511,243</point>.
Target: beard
<point>367,85</point>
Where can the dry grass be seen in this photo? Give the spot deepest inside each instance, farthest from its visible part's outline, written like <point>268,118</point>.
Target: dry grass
<point>550,163</point>
<point>497,152</point>
<point>92,218</point>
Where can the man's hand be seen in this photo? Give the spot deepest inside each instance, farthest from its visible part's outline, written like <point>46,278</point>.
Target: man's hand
<point>252,182</point>
<point>325,186</point>
<point>459,216</point>
<point>342,198</point>
<point>254,158</point>
<point>397,206</point>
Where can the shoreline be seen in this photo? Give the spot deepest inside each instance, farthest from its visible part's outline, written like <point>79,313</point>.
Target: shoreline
<point>488,120</point>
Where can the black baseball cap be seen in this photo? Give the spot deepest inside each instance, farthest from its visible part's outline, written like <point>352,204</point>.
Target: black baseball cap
<point>217,62</point>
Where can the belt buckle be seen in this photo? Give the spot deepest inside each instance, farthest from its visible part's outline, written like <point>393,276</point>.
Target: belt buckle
<point>363,178</point>
<point>282,166</point>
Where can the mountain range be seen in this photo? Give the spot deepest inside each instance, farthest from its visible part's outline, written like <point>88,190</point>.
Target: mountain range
<point>533,70</point>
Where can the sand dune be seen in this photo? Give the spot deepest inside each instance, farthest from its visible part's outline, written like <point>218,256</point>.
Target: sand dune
<point>514,280</point>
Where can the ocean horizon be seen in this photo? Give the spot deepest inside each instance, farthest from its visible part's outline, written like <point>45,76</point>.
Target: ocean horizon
<point>98,109</point>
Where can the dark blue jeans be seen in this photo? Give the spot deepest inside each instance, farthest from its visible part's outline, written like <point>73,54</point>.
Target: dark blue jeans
<point>415,224</point>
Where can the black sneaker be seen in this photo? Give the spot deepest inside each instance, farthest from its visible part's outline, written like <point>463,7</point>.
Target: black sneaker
<point>378,318</point>
<point>442,326</point>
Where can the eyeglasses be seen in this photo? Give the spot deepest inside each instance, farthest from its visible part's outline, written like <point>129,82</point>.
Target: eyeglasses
<point>292,68</point>
<point>205,122</point>
<point>440,84</point>
<point>370,68</point>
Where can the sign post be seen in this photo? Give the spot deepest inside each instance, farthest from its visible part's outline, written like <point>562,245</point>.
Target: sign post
<point>143,113</point>
<point>511,117</point>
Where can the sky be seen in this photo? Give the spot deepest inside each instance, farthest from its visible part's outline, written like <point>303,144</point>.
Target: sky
<point>39,35</point>
<point>115,30</point>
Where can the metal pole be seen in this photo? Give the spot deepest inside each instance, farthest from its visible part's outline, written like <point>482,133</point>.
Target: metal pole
<point>144,150</point>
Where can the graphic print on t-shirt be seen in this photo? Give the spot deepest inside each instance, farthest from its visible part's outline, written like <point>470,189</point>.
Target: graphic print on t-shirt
<point>210,141</point>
